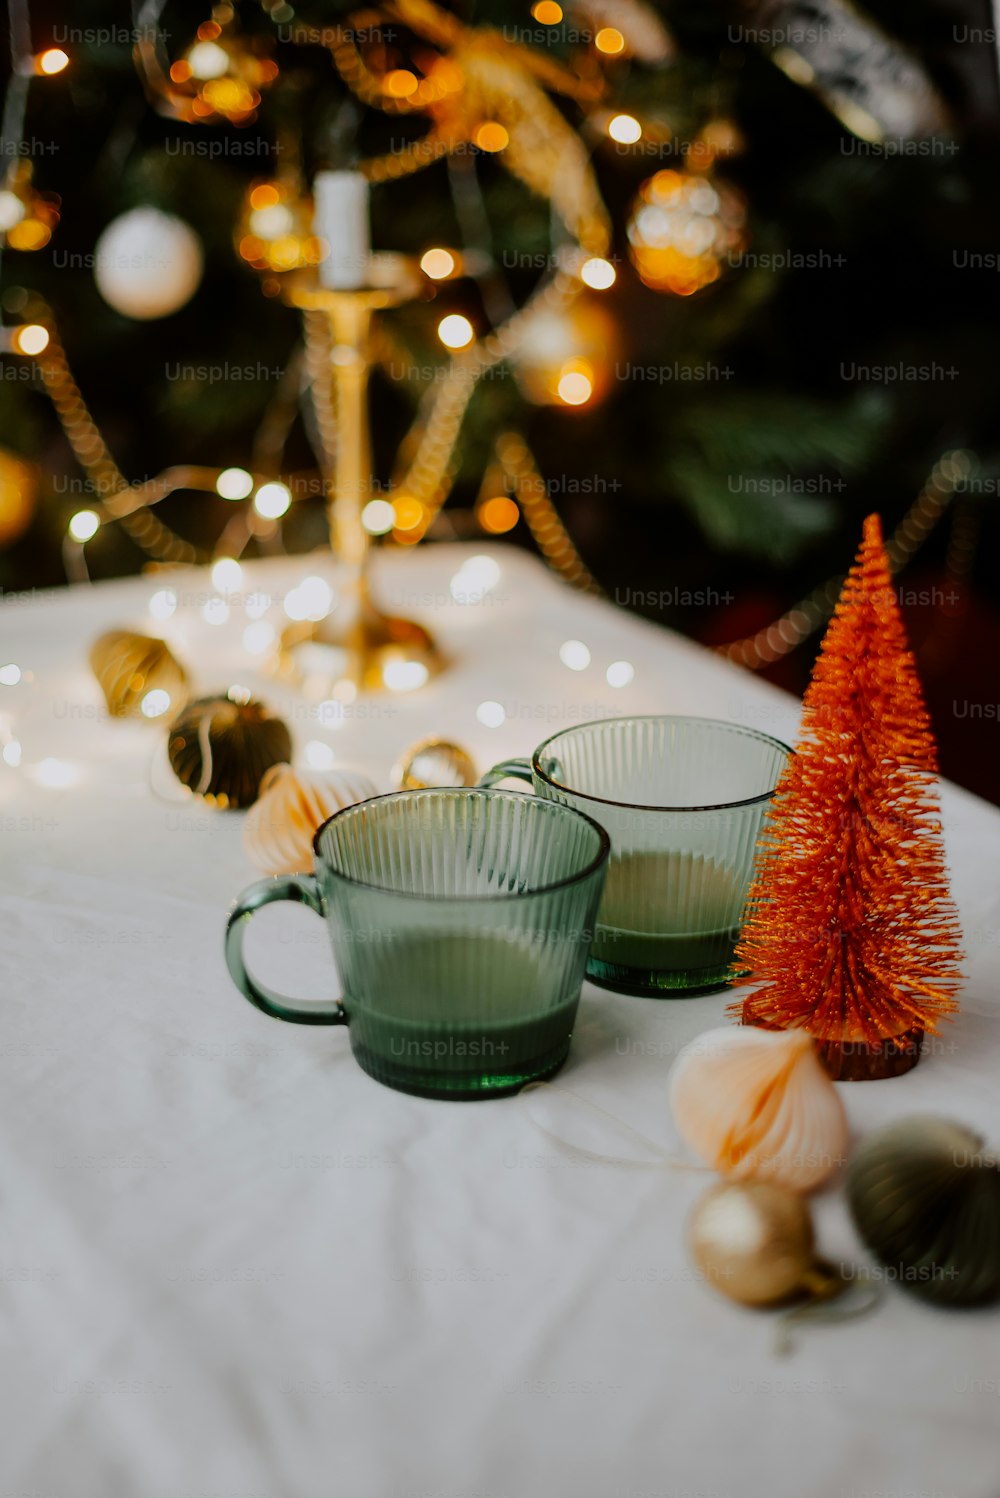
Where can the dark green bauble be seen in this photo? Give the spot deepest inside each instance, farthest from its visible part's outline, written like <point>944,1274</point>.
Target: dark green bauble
<point>925,1197</point>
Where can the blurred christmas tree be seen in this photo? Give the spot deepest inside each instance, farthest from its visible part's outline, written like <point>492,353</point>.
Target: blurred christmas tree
<point>720,412</point>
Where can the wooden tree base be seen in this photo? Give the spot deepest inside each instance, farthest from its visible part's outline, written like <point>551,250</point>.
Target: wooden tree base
<point>855,1061</point>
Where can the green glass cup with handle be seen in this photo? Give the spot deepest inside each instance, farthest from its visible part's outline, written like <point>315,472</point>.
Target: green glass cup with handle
<point>460,920</point>
<point>683,800</point>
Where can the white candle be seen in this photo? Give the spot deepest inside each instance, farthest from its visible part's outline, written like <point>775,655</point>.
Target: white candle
<point>341,218</point>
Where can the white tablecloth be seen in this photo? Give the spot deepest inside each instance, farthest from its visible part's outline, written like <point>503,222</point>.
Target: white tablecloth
<point>232,1264</point>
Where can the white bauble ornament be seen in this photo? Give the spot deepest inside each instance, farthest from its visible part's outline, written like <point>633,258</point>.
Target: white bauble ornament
<point>758,1103</point>
<point>147,263</point>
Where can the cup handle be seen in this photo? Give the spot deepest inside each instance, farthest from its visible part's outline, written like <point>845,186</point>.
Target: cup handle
<point>298,887</point>
<point>507,769</point>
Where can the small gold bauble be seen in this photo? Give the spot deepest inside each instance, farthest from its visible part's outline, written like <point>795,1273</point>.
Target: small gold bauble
<point>434,762</point>
<point>18,492</point>
<point>221,748</point>
<point>684,229</point>
<point>138,674</point>
<point>754,1243</point>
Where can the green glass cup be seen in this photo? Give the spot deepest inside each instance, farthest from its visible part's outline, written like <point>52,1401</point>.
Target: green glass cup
<point>683,800</point>
<point>460,920</point>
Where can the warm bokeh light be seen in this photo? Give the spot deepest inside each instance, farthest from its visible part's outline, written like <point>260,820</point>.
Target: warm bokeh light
<point>498,514</point>
<point>312,600</point>
<point>455,331</point>
<point>438,264</point>
<point>272,500</point>
<point>625,129</point>
<point>84,525</point>
<point>547,12</point>
<point>52,61</point>
<point>215,611</point>
<point>491,136</point>
<point>233,483</point>
<point>598,274</point>
<point>227,574</point>
<point>208,60</point>
<point>620,673</point>
<point>264,195</point>
<point>491,714</point>
<point>404,676</point>
<point>575,387</point>
<point>574,654</point>
<point>163,604</point>
<point>11,753</point>
<point>409,512</point>
<point>12,210</point>
<point>10,675</point>
<point>56,773</point>
<point>32,338</point>
<point>378,517</point>
<point>400,83</point>
<point>609,40</point>
<point>155,703</point>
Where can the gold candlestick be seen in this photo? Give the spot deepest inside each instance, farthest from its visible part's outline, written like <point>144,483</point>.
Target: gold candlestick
<point>375,643</point>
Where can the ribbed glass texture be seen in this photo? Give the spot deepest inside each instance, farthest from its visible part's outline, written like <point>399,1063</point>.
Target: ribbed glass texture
<point>461,920</point>
<point>683,800</point>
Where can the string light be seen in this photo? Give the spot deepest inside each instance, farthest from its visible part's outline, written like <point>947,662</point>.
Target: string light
<point>56,773</point>
<point>438,264</point>
<point>31,338</point>
<point>318,756</point>
<point>574,654</point>
<point>492,137</point>
<point>163,604</point>
<point>491,714</point>
<point>207,60</point>
<point>625,129</point>
<point>53,60</point>
<point>575,387</point>
<point>498,514</point>
<point>257,605</point>
<point>234,483</point>
<point>547,12</point>
<point>598,273</point>
<point>11,753</point>
<point>10,675</point>
<point>620,673</point>
<point>84,525</point>
<point>404,676</point>
<point>378,517</point>
<point>272,500</point>
<point>409,512</point>
<point>455,331</point>
<point>609,40</point>
<point>312,600</point>
<point>400,83</point>
<point>227,574</point>
<point>155,703</point>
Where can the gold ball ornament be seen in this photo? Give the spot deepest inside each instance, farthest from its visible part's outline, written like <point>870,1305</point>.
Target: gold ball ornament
<point>434,762</point>
<point>567,358</point>
<point>221,748</point>
<point>925,1197</point>
<point>138,674</point>
<point>18,493</point>
<point>754,1243</point>
<point>683,228</point>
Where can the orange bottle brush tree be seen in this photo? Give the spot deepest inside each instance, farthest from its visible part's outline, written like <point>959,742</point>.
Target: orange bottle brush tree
<point>850,924</point>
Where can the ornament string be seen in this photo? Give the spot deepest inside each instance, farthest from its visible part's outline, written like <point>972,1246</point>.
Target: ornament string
<point>662,1159</point>
<point>823,1284</point>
